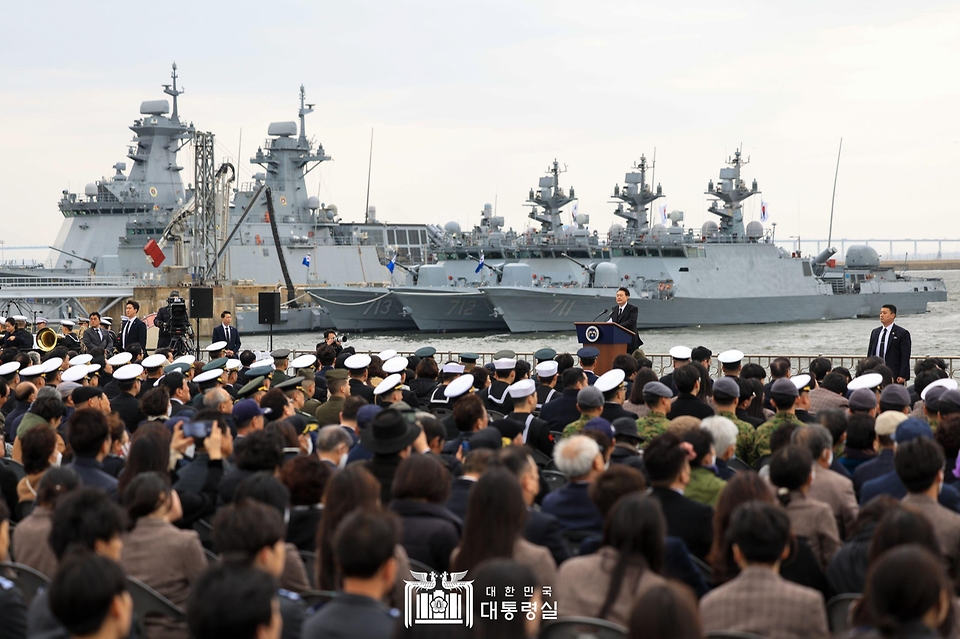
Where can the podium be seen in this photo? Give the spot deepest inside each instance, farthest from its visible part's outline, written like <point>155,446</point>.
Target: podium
<point>609,338</point>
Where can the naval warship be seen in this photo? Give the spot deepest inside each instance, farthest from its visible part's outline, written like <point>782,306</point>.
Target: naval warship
<point>727,273</point>
<point>106,229</point>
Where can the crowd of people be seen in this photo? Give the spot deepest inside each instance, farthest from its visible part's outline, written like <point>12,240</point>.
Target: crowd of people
<point>343,494</point>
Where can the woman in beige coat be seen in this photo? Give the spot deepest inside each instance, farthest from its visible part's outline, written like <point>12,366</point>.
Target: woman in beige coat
<point>608,583</point>
<point>156,552</point>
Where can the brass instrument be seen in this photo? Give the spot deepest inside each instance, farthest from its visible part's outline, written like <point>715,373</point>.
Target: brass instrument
<point>47,339</point>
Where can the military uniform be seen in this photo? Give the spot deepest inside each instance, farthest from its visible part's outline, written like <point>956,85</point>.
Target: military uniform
<point>329,411</point>
<point>652,425</point>
<point>496,398</point>
<point>545,394</point>
<point>575,428</point>
<point>71,341</point>
<point>438,399</point>
<point>761,445</point>
<point>704,486</point>
<point>745,437</point>
<point>310,407</point>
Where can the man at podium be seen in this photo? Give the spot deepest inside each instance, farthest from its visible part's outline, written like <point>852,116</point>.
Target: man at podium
<point>625,314</point>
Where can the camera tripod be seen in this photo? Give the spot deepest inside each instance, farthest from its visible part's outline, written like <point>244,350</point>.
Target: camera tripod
<point>181,345</point>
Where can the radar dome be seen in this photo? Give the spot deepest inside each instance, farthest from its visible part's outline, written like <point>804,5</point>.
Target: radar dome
<point>313,203</point>
<point>606,275</point>
<point>487,210</point>
<point>709,228</point>
<point>452,228</point>
<point>282,129</point>
<point>754,230</point>
<point>615,229</point>
<point>862,257</point>
<point>90,190</point>
<point>582,219</point>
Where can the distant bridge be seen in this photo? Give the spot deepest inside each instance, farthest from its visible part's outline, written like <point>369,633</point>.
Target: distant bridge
<point>891,251</point>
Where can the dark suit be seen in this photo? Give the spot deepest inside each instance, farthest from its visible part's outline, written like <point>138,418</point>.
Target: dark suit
<point>897,353</point>
<point>459,495</point>
<point>128,407</point>
<point>561,410</point>
<point>92,339</point>
<point>876,467</point>
<point>628,319</point>
<point>613,410</point>
<point>233,340</point>
<point>134,332</point>
<point>690,405</point>
<point>360,389</point>
<point>690,521</point>
<point>572,505</point>
<point>544,529</point>
<point>92,475</point>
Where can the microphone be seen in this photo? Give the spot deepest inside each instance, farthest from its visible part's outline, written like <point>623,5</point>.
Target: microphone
<point>602,313</point>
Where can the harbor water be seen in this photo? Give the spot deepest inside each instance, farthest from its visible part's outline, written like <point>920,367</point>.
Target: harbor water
<point>934,333</point>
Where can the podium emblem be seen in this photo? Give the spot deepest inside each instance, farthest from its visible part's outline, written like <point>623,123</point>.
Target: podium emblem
<point>592,334</point>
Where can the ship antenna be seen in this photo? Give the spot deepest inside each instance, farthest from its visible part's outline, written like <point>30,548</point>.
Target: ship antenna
<point>175,116</point>
<point>304,110</point>
<point>834,196</point>
<point>369,170</point>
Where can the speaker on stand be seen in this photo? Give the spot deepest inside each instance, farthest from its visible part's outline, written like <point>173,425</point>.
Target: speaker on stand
<point>201,307</point>
<point>269,311</point>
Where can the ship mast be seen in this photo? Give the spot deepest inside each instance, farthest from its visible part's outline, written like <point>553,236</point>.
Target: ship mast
<point>551,198</point>
<point>173,92</point>
<point>731,191</point>
<point>637,194</point>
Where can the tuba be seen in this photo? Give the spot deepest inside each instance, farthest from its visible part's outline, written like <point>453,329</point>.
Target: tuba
<point>47,339</point>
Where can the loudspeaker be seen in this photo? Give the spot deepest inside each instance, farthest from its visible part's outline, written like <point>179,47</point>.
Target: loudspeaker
<point>269,308</point>
<point>201,303</point>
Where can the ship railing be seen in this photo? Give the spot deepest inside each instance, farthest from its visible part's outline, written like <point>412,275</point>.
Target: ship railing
<point>69,281</point>
<point>663,362</point>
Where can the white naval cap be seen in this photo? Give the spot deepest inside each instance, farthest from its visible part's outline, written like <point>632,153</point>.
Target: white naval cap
<point>681,352</point>
<point>303,361</point>
<point>395,364</point>
<point>86,358</point>
<point>523,388</point>
<point>130,371</point>
<point>547,369</point>
<point>74,373</point>
<point>730,357</point>
<point>154,361</point>
<point>504,364</point>
<point>610,380</point>
<point>867,380</point>
<point>52,364</point>
<point>69,323</point>
<point>233,365</point>
<point>391,383</point>
<point>947,382</point>
<point>185,359</point>
<point>207,376</point>
<point>32,371</point>
<point>387,354</point>
<point>9,368</point>
<point>357,362</point>
<point>263,362</point>
<point>216,346</point>
<point>120,359</point>
<point>802,382</point>
<point>460,386</point>
<point>453,367</point>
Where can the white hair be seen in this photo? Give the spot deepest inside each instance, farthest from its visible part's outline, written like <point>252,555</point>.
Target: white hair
<point>574,455</point>
<point>724,433</point>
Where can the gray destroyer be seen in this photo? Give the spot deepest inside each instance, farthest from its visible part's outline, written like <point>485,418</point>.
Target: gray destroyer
<point>727,273</point>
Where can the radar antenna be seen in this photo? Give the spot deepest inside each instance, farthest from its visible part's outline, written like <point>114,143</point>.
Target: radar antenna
<point>175,116</point>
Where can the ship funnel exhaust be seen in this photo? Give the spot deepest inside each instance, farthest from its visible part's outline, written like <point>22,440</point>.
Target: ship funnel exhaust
<point>825,255</point>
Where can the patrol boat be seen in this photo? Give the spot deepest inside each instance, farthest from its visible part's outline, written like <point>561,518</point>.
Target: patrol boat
<point>726,273</point>
<point>447,296</point>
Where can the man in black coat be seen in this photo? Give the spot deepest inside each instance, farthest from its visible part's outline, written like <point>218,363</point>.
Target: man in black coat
<point>892,343</point>
<point>687,379</point>
<point>97,336</point>
<point>226,332</point>
<point>358,365</point>
<point>126,404</point>
<point>626,314</point>
<point>134,330</point>
<point>562,410</point>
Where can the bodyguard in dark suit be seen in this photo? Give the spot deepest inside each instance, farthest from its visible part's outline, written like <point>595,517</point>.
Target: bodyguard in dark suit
<point>134,331</point>
<point>892,343</point>
<point>626,314</point>
<point>97,336</point>
<point>226,332</point>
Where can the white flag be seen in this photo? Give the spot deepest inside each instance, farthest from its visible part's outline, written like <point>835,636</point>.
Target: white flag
<point>663,213</point>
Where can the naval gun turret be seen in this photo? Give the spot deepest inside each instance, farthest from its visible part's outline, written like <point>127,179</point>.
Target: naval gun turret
<point>550,197</point>
<point>636,194</point>
<point>728,197</point>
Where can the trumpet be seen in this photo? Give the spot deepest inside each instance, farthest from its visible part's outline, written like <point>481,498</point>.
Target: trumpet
<point>47,339</point>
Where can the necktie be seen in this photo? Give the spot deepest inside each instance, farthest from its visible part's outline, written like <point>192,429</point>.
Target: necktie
<point>883,342</point>
<point>126,331</point>
<point>226,330</point>
<point>99,334</point>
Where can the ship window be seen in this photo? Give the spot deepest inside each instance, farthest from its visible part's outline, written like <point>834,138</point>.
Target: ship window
<point>401,237</point>
<point>580,253</point>
<point>807,271</point>
<point>266,252</point>
<point>423,237</point>
<point>684,269</point>
<point>673,252</point>
<point>496,255</point>
<point>391,237</point>
<point>415,254</point>
<point>606,254</point>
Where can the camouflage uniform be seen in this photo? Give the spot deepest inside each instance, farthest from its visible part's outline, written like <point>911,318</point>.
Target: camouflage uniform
<point>575,428</point>
<point>652,425</point>
<point>745,437</point>
<point>761,444</point>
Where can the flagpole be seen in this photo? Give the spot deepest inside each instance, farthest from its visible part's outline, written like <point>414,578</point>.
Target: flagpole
<point>834,196</point>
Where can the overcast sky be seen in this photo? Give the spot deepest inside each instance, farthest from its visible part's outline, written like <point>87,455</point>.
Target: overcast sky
<point>470,101</point>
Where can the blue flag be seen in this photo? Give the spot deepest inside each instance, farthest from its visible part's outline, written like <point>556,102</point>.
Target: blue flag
<point>479,264</point>
<point>392,263</point>
<point>306,261</point>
